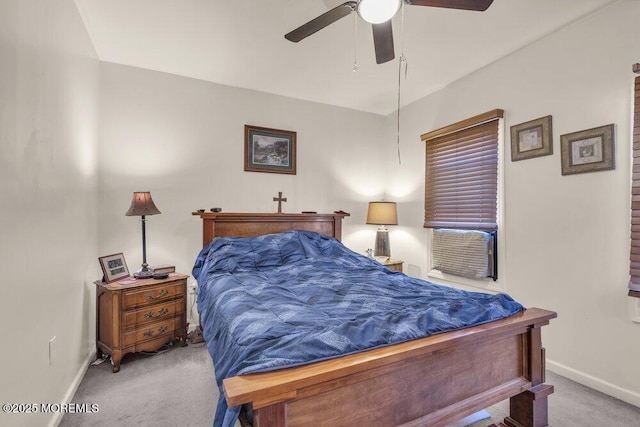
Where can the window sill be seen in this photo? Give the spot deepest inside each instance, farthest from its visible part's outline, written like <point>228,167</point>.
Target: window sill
<point>486,285</point>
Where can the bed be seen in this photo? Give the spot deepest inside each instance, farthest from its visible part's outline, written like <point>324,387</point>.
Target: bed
<point>429,381</point>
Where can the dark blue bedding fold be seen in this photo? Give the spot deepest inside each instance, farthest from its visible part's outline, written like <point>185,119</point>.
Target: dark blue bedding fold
<point>298,297</point>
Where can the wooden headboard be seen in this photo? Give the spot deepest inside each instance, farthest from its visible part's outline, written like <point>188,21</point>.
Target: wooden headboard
<point>224,224</point>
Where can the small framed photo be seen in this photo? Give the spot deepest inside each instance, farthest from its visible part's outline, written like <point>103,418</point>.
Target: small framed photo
<point>589,150</point>
<point>532,139</point>
<point>114,267</point>
<point>269,150</point>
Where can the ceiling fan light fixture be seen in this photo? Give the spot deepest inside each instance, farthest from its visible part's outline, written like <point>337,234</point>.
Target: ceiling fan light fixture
<point>378,11</point>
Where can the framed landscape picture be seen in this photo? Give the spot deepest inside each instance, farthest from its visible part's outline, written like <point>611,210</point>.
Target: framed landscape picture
<point>269,150</point>
<point>531,139</point>
<point>589,150</point>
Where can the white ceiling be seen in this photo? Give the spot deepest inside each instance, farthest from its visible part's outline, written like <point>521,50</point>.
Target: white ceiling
<point>242,44</point>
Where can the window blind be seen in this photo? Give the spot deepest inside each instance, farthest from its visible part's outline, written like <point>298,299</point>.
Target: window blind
<point>461,178</point>
<point>634,282</point>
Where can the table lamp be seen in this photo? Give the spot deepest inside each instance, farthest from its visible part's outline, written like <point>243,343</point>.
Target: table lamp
<point>142,205</point>
<point>382,214</point>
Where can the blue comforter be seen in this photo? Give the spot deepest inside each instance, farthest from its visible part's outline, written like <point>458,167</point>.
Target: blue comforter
<point>293,298</point>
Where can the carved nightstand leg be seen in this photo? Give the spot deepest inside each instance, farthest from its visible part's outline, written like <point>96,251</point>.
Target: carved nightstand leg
<point>116,357</point>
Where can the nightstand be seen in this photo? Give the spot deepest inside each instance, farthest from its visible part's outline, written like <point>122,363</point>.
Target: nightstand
<point>393,264</point>
<point>140,315</point>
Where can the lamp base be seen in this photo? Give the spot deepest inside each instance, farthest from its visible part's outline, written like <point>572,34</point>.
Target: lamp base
<point>143,273</point>
<point>382,248</point>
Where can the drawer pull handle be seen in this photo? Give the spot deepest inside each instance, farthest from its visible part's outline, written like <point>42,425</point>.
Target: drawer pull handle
<point>160,294</point>
<point>161,330</point>
<point>151,314</point>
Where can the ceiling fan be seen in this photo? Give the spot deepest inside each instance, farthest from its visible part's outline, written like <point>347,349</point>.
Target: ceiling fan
<point>379,14</point>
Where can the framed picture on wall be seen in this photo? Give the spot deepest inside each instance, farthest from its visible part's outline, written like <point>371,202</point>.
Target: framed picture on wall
<point>114,267</point>
<point>589,150</point>
<point>269,150</point>
<point>531,139</point>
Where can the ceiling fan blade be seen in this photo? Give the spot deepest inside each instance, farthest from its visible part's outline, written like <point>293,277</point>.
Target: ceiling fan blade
<point>383,42</point>
<point>321,21</point>
<point>477,5</point>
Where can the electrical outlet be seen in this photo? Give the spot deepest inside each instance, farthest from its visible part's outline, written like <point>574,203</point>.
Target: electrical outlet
<point>52,350</point>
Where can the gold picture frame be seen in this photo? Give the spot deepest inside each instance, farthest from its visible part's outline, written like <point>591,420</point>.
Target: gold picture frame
<point>532,139</point>
<point>590,150</point>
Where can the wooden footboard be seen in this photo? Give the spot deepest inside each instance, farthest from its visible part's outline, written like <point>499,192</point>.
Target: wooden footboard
<point>427,382</point>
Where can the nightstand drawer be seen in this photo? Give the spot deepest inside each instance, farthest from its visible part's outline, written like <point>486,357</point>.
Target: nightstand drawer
<point>151,295</point>
<point>153,313</point>
<point>150,331</point>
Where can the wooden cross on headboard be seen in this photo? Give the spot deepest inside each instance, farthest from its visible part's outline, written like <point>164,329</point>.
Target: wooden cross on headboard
<point>279,199</point>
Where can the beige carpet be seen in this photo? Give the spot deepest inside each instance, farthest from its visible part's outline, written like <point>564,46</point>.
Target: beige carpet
<point>177,388</point>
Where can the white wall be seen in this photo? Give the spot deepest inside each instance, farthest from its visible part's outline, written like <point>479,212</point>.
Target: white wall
<point>49,89</point>
<point>567,237</point>
<point>183,140</point>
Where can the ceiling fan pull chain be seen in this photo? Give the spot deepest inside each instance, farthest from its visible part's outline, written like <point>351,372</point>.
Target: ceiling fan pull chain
<point>401,62</point>
<point>403,59</point>
<point>355,46</point>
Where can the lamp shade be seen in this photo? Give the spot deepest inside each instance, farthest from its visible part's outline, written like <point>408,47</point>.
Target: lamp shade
<point>142,205</point>
<point>382,213</point>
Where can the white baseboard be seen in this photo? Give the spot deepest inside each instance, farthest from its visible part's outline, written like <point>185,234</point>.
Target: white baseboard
<point>57,416</point>
<point>623,394</point>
